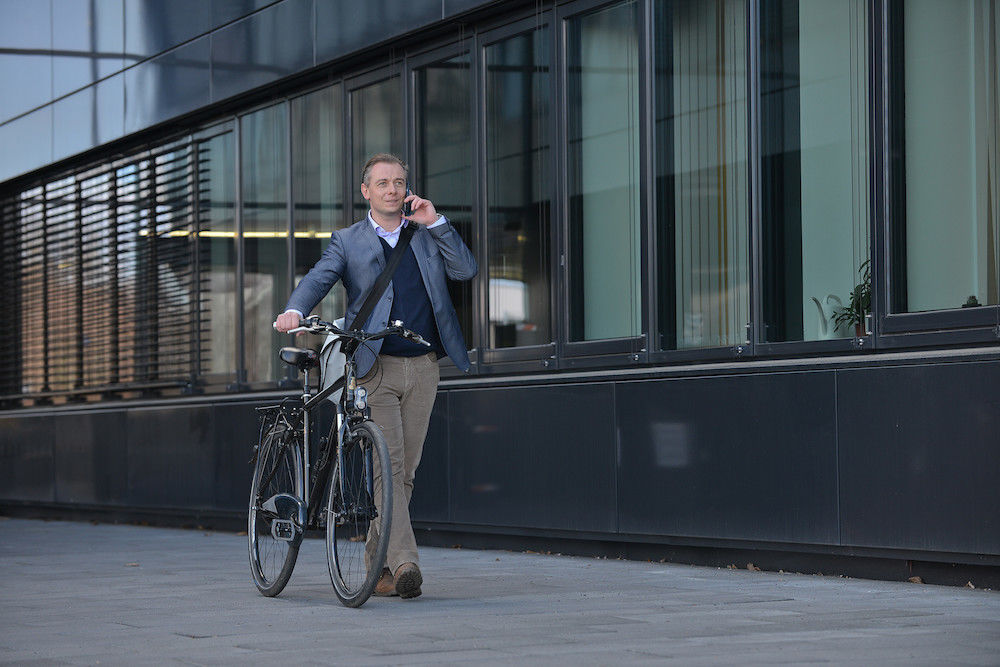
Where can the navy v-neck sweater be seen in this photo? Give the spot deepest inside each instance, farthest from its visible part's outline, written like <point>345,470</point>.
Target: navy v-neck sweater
<point>411,304</point>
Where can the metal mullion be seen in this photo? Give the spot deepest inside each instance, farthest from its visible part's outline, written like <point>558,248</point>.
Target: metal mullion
<point>78,306</point>
<point>647,178</point>
<point>240,347</point>
<point>291,374</point>
<point>879,165</point>
<point>755,327</point>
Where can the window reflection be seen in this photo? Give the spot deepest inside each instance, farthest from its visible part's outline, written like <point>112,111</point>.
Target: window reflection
<point>947,200</point>
<point>517,190</point>
<point>603,98</point>
<point>701,172</point>
<point>443,165</point>
<point>317,182</point>
<point>264,154</point>
<point>376,127</point>
<point>217,254</point>
<point>814,206</point>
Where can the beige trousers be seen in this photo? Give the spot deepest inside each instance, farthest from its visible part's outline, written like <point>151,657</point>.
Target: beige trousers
<point>401,392</point>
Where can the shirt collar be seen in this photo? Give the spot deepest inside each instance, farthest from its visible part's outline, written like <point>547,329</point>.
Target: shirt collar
<point>381,231</point>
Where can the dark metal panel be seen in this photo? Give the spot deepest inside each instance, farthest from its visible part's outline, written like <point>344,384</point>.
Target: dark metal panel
<point>26,142</point>
<point>167,86</point>
<point>430,488</point>
<point>225,11</point>
<point>90,458</point>
<point>264,47</point>
<point>539,457</point>
<point>153,26</point>
<point>740,457</point>
<point>920,456</point>
<point>88,42</point>
<point>344,27</point>
<point>236,429</point>
<point>26,57</point>
<point>26,460</point>
<point>452,7</point>
<point>171,457</point>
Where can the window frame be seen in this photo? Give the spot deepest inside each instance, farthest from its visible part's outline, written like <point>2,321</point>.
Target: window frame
<point>413,63</point>
<point>529,357</point>
<point>625,351</point>
<point>944,327</point>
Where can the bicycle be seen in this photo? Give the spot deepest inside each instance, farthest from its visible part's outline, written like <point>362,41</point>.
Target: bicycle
<point>286,489</point>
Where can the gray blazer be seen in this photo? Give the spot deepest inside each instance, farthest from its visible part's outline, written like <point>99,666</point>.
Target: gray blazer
<point>355,256</point>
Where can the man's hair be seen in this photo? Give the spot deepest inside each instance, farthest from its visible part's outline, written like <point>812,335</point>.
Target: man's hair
<point>382,157</point>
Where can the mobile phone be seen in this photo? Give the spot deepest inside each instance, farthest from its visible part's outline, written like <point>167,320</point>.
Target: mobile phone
<point>407,209</point>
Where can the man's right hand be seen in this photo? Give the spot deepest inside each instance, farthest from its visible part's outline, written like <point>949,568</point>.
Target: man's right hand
<point>287,321</point>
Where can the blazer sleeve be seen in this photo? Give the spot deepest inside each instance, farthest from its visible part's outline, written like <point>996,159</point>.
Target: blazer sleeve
<point>459,263</point>
<point>321,277</point>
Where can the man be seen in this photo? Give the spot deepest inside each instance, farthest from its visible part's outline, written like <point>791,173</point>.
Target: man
<point>402,381</point>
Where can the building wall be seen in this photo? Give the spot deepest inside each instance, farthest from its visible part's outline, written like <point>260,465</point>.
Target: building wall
<point>897,459</point>
<point>83,73</point>
<point>666,368</point>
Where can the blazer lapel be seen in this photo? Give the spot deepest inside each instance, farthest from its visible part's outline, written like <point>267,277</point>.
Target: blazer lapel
<point>374,244</point>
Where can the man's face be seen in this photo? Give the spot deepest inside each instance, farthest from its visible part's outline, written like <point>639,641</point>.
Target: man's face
<point>386,188</point>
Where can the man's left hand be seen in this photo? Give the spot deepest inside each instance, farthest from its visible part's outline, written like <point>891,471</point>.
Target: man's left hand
<point>422,211</point>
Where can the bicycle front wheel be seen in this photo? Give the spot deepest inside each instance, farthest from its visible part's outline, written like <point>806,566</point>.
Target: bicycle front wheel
<point>272,525</point>
<point>359,514</point>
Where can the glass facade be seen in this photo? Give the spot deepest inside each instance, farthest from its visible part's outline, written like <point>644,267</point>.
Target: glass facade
<point>697,178</point>
<point>442,169</point>
<point>318,184</point>
<point>263,165</point>
<point>605,292</point>
<point>947,229</point>
<point>815,208</point>
<point>702,212</point>
<point>518,195</point>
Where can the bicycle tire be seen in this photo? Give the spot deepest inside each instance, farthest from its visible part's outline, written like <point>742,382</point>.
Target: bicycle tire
<point>278,471</point>
<point>355,554</point>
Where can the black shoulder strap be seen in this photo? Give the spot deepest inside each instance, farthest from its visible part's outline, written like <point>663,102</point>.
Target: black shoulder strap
<point>383,279</point>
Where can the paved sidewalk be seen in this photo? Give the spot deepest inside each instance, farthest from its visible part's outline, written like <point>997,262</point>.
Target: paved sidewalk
<point>79,593</point>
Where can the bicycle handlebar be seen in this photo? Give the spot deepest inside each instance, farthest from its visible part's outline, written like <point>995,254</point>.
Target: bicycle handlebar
<point>317,326</point>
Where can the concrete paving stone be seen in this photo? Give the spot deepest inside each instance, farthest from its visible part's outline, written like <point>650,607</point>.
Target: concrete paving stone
<point>78,593</point>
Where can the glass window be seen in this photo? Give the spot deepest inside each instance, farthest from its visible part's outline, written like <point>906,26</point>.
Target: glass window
<point>946,203</point>
<point>603,156</point>
<point>701,141</point>
<point>61,300</point>
<point>217,254</point>
<point>131,197</point>
<point>264,159</point>
<point>518,180</point>
<point>318,184</point>
<point>32,279</point>
<point>376,127</point>
<point>814,171</point>
<point>443,167</point>
<point>98,256</point>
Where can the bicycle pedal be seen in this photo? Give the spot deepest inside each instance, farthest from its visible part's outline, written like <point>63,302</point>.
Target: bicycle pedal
<point>283,529</point>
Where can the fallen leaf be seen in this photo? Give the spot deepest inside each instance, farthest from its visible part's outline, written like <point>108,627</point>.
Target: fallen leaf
<point>242,532</point>
<point>131,565</point>
<point>915,580</point>
<point>752,567</point>
<point>968,584</point>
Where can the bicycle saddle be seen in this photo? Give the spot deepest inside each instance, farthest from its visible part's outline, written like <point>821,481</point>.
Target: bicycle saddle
<point>300,358</point>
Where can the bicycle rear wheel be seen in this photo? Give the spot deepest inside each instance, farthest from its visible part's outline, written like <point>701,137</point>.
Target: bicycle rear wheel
<point>359,515</point>
<point>274,527</point>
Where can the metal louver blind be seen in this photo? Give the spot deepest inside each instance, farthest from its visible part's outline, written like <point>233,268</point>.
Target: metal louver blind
<point>101,292</point>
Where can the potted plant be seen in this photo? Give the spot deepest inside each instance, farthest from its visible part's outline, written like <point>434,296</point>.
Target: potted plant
<point>860,302</point>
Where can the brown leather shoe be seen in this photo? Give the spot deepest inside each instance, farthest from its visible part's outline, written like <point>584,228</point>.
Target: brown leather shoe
<point>408,580</point>
<point>386,586</point>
